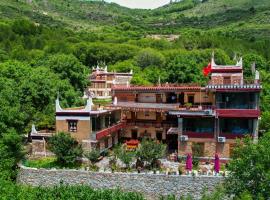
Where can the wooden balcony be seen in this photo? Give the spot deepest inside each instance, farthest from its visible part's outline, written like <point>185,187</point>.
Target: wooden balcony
<point>192,134</point>
<point>106,132</point>
<point>151,123</point>
<point>234,135</point>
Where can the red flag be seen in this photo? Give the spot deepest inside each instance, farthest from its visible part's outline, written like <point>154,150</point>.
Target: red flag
<point>207,69</point>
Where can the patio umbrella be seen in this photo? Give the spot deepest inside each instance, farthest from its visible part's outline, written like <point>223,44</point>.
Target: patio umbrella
<point>189,162</point>
<point>217,164</point>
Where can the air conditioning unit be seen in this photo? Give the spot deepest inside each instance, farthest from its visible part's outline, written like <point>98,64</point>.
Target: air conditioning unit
<point>221,139</point>
<point>183,138</point>
<point>208,112</point>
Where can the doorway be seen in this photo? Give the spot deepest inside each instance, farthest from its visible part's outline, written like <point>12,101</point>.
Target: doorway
<point>182,98</point>
<point>171,97</point>
<point>191,99</point>
<point>134,134</point>
<point>159,135</point>
<point>172,142</point>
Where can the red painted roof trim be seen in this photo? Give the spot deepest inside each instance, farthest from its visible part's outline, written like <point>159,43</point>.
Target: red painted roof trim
<point>194,88</point>
<point>238,113</point>
<point>103,133</point>
<point>230,70</point>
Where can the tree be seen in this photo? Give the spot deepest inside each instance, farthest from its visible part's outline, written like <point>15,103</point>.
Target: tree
<point>153,74</point>
<point>150,57</point>
<point>250,169</point>
<point>249,59</point>
<point>66,148</point>
<point>11,152</point>
<point>125,66</point>
<point>184,69</point>
<point>138,79</point>
<point>32,100</point>
<point>68,67</point>
<point>150,151</point>
<point>265,121</point>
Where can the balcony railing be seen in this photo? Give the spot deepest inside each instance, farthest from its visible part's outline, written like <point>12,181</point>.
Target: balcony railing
<point>192,134</point>
<point>232,82</point>
<point>151,123</point>
<point>196,107</point>
<point>226,105</point>
<point>108,131</point>
<point>229,135</point>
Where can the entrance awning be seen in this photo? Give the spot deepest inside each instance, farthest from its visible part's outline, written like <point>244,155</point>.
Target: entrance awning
<point>173,131</point>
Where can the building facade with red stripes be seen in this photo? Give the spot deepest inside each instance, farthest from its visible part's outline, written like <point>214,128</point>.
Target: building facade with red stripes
<point>194,119</point>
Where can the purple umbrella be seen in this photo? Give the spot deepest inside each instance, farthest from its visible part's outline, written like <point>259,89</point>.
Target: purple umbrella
<point>217,164</point>
<point>189,162</point>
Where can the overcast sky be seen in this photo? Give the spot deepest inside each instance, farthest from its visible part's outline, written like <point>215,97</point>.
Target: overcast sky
<point>140,3</point>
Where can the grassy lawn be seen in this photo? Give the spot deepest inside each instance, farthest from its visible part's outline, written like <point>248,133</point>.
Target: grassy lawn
<point>102,102</point>
<point>48,163</point>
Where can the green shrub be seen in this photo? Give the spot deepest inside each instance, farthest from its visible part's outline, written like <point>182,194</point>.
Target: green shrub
<point>66,148</point>
<point>93,155</point>
<point>249,169</point>
<point>150,151</point>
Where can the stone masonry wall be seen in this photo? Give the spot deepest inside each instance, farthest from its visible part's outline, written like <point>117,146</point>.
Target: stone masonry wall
<point>151,185</point>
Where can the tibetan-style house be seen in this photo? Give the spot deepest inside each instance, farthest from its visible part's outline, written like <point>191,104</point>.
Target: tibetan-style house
<point>102,81</point>
<point>94,127</point>
<point>188,118</point>
<point>192,118</point>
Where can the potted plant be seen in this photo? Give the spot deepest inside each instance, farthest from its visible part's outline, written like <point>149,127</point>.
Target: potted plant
<point>188,105</point>
<point>180,171</point>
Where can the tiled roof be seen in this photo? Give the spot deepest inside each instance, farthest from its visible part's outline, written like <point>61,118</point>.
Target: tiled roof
<point>158,88</point>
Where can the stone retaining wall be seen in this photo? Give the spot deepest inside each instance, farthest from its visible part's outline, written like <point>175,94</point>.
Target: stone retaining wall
<point>151,185</point>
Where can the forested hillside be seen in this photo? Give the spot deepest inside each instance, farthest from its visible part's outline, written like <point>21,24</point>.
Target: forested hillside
<point>58,41</point>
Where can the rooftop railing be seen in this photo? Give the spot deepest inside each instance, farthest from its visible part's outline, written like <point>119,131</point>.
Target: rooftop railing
<point>233,82</point>
<point>151,123</point>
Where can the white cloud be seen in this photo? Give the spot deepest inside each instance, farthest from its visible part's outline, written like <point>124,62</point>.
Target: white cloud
<point>140,3</point>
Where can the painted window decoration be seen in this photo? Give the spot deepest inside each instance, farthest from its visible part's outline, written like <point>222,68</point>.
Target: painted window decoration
<point>146,114</point>
<point>72,126</point>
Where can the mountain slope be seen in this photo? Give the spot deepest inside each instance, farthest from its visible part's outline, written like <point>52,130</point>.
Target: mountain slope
<point>246,19</point>
<point>74,13</point>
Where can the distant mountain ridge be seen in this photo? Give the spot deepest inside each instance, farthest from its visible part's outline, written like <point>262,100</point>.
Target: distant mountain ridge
<point>249,16</point>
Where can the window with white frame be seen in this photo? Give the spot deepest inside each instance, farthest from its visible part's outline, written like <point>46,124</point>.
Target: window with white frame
<point>72,125</point>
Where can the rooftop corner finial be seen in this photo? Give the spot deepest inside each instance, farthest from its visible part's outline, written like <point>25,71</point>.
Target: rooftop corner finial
<point>257,76</point>
<point>131,71</point>
<point>253,68</point>
<point>33,129</point>
<point>213,59</point>
<point>235,56</point>
<point>57,104</point>
<point>240,62</point>
<point>89,104</point>
<point>159,84</point>
<point>115,101</point>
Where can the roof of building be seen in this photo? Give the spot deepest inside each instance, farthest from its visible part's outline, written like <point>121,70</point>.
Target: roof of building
<point>87,110</point>
<point>165,87</point>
